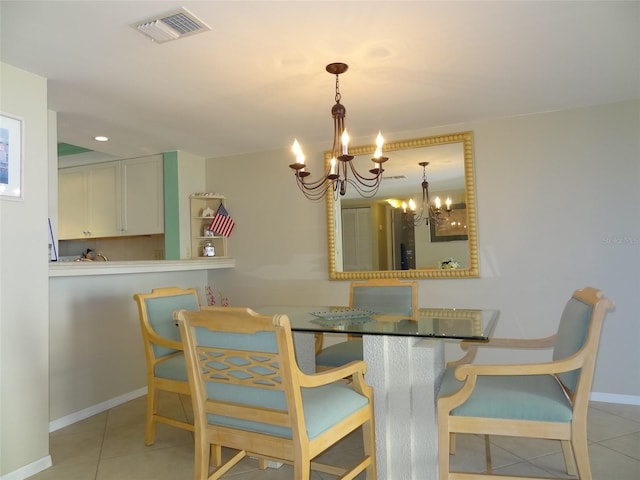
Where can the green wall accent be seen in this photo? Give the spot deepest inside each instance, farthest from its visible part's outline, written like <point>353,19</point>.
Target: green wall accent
<point>171,206</point>
<point>68,149</point>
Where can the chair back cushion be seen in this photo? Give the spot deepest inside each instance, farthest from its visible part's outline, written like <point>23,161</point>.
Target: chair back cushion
<point>571,336</point>
<point>385,300</point>
<point>160,315</point>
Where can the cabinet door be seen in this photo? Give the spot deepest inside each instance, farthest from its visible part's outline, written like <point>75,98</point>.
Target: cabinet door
<point>143,198</point>
<point>72,203</point>
<point>104,199</point>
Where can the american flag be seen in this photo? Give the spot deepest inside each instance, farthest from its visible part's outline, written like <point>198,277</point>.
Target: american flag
<point>222,224</point>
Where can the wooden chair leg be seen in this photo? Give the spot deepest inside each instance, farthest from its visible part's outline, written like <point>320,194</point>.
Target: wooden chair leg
<point>302,469</point>
<point>216,455</point>
<point>581,454</point>
<point>569,461</point>
<point>201,465</point>
<point>150,421</point>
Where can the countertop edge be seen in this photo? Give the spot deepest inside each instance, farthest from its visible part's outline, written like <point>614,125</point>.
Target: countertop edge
<point>77,269</point>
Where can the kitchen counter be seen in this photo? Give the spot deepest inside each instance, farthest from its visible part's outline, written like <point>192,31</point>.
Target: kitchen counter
<point>77,269</point>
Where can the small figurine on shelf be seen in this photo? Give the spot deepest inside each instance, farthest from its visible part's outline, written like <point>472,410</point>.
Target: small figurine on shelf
<point>208,212</point>
<point>208,249</point>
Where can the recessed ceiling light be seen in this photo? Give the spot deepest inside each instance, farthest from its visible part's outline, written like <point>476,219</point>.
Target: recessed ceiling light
<point>101,138</point>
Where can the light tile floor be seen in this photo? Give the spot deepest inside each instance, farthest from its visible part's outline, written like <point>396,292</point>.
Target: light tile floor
<point>109,446</point>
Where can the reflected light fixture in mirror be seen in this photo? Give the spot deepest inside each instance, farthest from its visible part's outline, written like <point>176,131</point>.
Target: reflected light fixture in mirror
<point>428,210</point>
<point>340,171</point>
<point>451,173</point>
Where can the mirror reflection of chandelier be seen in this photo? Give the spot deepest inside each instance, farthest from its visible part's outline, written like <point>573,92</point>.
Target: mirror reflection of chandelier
<point>428,209</point>
<point>341,170</point>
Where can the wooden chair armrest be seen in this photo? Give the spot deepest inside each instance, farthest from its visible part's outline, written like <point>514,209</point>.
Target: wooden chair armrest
<point>163,341</point>
<point>544,368</point>
<point>333,375</point>
<point>470,347</point>
<point>545,342</point>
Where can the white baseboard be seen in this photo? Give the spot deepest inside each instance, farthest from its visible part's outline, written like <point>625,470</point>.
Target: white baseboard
<point>93,410</point>
<point>28,470</point>
<point>615,398</point>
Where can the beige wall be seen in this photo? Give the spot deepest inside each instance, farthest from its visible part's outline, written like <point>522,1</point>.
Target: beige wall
<point>557,210</point>
<point>24,296</point>
<point>96,345</point>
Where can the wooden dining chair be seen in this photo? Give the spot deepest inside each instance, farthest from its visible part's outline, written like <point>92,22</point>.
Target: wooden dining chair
<point>249,395</point>
<point>166,370</point>
<point>538,400</point>
<point>390,297</point>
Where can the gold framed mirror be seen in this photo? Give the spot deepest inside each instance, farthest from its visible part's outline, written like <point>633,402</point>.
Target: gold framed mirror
<point>378,238</point>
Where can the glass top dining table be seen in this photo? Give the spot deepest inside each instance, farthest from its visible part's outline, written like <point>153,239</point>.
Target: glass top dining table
<point>405,362</point>
<point>443,323</point>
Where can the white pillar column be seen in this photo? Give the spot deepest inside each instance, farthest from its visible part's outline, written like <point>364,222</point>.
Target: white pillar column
<point>405,373</point>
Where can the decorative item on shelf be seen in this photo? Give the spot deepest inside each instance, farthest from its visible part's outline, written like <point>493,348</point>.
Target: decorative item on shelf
<point>207,233</point>
<point>428,209</point>
<point>207,212</point>
<point>336,176</point>
<point>222,224</point>
<point>211,297</point>
<point>449,264</point>
<point>208,249</point>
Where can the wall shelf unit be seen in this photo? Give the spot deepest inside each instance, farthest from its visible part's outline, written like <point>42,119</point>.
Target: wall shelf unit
<point>203,208</point>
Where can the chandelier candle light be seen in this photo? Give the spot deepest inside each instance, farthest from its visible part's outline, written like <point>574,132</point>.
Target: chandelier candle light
<point>337,176</point>
<point>427,209</point>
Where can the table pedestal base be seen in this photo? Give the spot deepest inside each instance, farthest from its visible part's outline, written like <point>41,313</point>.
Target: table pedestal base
<point>405,374</point>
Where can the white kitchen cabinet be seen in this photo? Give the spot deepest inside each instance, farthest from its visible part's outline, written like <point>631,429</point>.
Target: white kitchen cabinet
<point>89,201</point>
<point>142,196</point>
<point>111,199</point>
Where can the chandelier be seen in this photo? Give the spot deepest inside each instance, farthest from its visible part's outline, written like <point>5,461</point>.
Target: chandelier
<point>428,210</point>
<point>341,170</point>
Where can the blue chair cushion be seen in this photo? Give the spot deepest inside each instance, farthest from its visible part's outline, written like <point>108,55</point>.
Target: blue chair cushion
<point>521,397</point>
<point>340,353</point>
<point>571,335</point>
<point>172,368</point>
<point>318,418</point>
<point>391,300</point>
<point>160,313</point>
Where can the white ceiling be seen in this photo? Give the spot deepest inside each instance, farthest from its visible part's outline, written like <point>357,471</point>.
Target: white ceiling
<point>257,79</point>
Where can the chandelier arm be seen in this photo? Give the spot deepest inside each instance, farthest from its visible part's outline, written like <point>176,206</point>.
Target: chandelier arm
<point>317,193</point>
<point>313,184</point>
<point>376,178</point>
<point>364,190</point>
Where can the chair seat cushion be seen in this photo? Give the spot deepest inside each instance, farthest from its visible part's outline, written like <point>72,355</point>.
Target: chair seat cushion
<point>340,353</point>
<point>525,397</point>
<point>172,368</point>
<point>318,418</point>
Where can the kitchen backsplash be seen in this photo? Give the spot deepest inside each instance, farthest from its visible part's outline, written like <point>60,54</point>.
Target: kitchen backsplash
<point>148,247</point>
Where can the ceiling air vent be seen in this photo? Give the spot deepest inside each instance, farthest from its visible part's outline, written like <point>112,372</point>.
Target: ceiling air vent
<point>171,26</point>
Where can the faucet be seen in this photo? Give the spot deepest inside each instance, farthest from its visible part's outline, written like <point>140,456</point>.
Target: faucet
<point>102,256</point>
